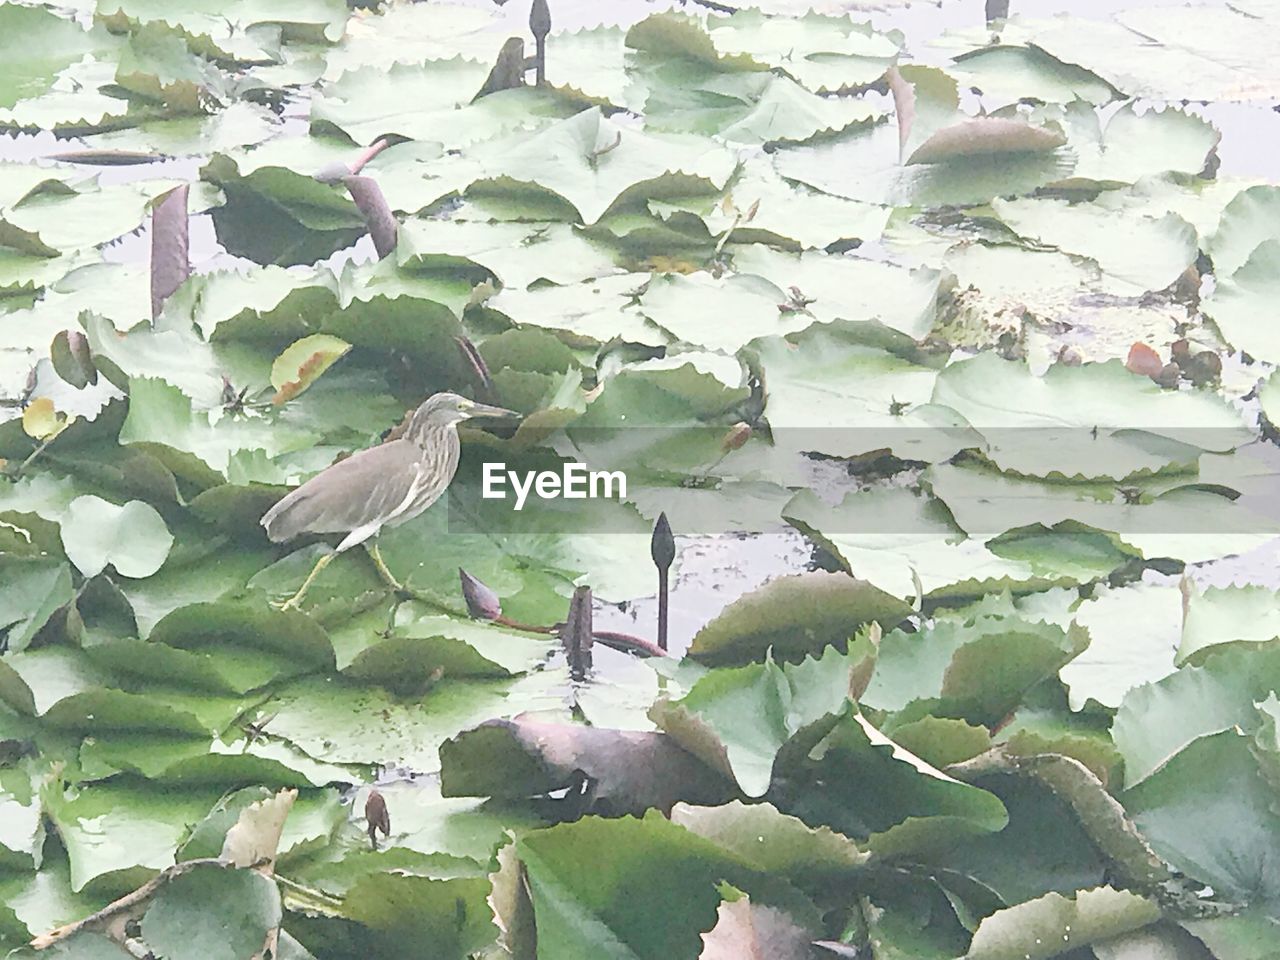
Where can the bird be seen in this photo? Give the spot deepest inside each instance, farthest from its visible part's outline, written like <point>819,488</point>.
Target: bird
<point>383,486</point>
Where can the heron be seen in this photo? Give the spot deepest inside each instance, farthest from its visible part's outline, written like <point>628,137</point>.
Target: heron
<point>383,486</point>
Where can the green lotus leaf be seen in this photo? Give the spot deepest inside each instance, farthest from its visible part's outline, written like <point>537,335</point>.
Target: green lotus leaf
<point>754,108</point>
<point>593,312</point>
<point>582,904</point>
<point>245,31</point>
<point>859,165</point>
<point>1238,830</point>
<point>1130,631</point>
<point>342,722</point>
<point>968,669</point>
<point>832,781</point>
<point>518,254</point>
<point>794,616</point>
<point>1168,243</point>
<point>1032,927</point>
<point>820,51</point>
<point>1238,305</point>
<point>131,537</point>
<point>432,100</point>
<point>1008,74</point>
<point>1134,145</point>
<point>1146,53</point>
<point>1222,615</point>
<point>1157,721</point>
<point>1246,222</point>
<point>179,917</point>
<point>161,416</point>
<point>118,835</point>
<point>1045,426</point>
<point>786,703</point>
<point>38,587</point>
<point>393,912</point>
<point>897,540</point>
<point>599,164</point>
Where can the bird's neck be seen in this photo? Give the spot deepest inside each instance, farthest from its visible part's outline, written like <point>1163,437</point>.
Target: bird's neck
<point>435,434</point>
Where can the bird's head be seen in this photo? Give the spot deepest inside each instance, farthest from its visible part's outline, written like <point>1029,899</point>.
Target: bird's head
<point>443,410</point>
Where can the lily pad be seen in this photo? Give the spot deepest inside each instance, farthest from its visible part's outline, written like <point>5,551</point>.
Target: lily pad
<point>132,537</point>
<point>780,617</point>
<point>600,164</point>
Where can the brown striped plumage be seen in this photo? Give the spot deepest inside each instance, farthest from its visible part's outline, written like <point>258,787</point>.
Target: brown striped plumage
<point>385,485</point>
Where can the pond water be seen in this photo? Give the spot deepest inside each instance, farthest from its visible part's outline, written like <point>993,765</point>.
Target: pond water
<point>714,570</point>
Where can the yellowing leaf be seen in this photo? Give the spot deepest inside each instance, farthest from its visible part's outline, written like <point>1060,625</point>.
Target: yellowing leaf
<point>255,836</point>
<point>302,363</point>
<point>41,421</point>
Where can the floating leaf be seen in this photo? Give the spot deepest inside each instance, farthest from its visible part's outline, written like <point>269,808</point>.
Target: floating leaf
<point>303,362</point>
<point>1041,928</point>
<point>177,919</point>
<point>793,616</point>
<point>132,537</point>
<point>986,135</point>
<point>41,421</point>
<point>630,771</point>
<point>598,163</point>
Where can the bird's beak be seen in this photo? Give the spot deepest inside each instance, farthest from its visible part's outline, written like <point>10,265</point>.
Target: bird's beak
<point>484,410</point>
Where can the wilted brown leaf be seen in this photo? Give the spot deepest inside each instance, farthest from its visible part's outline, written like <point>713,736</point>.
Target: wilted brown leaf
<point>983,136</point>
<point>627,771</point>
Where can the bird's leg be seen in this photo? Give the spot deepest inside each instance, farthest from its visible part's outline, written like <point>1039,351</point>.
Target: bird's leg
<point>296,600</point>
<point>397,588</point>
<point>376,556</point>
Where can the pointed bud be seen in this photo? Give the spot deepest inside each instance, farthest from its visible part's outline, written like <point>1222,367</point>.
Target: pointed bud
<point>72,360</point>
<point>738,434</point>
<point>539,19</point>
<point>482,603</point>
<point>662,547</point>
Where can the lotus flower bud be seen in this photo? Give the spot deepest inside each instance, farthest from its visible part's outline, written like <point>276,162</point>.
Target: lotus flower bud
<point>482,603</point>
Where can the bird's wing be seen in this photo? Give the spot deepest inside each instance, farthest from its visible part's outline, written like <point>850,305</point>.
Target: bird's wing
<point>365,489</point>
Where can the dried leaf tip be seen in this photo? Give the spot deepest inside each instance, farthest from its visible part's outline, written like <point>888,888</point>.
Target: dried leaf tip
<point>482,602</point>
<point>170,246</point>
<point>478,367</point>
<point>662,546</point>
